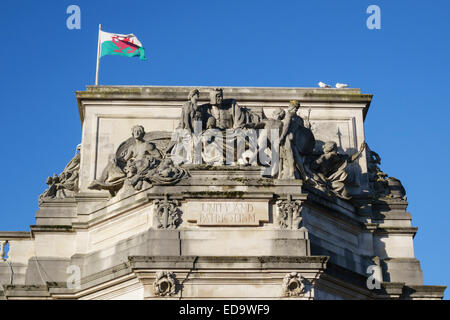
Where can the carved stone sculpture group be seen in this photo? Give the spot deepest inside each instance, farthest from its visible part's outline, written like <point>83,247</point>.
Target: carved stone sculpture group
<point>66,184</point>
<point>293,145</point>
<point>153,158</point>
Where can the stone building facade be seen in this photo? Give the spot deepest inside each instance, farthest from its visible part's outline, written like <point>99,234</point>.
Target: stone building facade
<point>160,203</point>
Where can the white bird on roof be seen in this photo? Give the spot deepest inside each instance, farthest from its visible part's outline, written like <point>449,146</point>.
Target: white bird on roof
<point>341,85</point>
<point>324,85</point>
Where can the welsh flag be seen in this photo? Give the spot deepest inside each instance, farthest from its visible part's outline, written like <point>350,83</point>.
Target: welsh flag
<point>120,44</point>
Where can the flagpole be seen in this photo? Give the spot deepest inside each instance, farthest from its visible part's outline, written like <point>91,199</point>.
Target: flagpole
<point>98,54</point>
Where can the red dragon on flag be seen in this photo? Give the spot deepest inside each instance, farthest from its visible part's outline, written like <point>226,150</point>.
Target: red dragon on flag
<point>125,43</point>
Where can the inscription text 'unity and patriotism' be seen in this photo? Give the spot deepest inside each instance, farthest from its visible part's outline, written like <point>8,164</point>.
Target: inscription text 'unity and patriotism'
<point>227,213</point>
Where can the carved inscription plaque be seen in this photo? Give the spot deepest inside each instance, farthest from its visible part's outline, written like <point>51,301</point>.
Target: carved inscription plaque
<point>227,213</point>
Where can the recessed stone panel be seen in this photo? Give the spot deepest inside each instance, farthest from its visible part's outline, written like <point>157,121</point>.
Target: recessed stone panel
<point>227,213</point>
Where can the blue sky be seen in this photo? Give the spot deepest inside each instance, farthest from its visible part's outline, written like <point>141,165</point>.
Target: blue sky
<point>235,43</point>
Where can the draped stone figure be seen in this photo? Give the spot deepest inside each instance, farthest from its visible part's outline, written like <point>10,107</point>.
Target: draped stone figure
<point>329,169</point>
<point>190,111</point>
<point>269,137</point>
<point>219,113</point>
<point>227,114</point>
<point>296,141</point>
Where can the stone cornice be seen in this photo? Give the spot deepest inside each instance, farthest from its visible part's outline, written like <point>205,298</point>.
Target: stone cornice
<point>52,229</point>
<point>347,96</point>
<point>15,235</point>
<point>397,230</point>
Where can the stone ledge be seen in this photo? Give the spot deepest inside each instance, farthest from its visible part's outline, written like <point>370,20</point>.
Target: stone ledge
<point>26,291</point>
<point>15,235</point>
<point>50,228</point>
<point>228,262</point>
<point>65,202</point>
<point>241,93</point>
<point>424,292</point>
<point>347,96</point>
<point>397,230</point>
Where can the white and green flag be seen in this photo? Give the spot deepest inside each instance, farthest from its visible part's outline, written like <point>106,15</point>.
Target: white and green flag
<point>120,44</point>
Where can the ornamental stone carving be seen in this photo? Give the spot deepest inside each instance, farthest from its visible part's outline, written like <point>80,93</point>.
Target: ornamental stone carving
<point>167,213</point>
<point>293,285</point>
<point>215,128</point>
<point>165,284</point>
<point>289,215</point>
<point>65,184</point>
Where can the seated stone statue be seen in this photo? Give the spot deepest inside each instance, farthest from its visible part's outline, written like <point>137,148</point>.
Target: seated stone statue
<point>219,115</point>
<point>136,161</point>
<point>329,170</point>
<point>225,114</point>
<point>140,157</point>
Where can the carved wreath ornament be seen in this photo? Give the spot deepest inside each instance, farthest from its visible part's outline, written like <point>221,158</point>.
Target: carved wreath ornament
<point>165,284</point>
<point>292,285</point>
